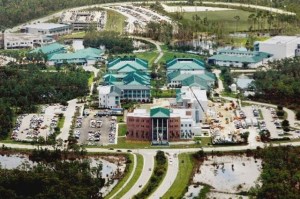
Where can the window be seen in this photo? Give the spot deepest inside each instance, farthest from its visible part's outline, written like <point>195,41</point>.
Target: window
<point>190,125</point>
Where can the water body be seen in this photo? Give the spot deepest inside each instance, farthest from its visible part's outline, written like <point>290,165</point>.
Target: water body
<point>243,81</point>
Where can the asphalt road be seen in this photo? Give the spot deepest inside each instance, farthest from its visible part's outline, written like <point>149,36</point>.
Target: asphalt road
<point>147,170</point>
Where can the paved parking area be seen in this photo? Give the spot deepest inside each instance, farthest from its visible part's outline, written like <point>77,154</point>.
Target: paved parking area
<point>31,126</point>
<point>104,126</point>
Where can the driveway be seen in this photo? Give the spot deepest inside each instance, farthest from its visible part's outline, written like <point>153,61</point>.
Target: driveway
<point>148,168</point>
<point>173,168</point>
<point>68,120</point>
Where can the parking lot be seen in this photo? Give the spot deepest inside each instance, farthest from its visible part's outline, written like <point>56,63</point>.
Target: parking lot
<point>31,126</point>
<point>92,129</point>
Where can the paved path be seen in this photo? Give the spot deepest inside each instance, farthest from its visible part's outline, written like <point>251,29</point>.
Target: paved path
<point>130,177</point>
<point>148,168</point>
<point>156,43</point>
<point>173,168</point>
<point>68,119</point>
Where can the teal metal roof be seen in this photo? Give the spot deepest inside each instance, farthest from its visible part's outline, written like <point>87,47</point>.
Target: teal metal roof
<point>185,64</point>
<point>195,80</point>
<point>129,65</point>
<point>173,74</point>
<point>132,78</point>
<point>86,54</point>
<point>159,112</point>
<point>50,48</point>
<point>240,56</point>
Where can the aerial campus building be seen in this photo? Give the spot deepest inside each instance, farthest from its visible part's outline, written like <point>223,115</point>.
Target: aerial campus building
<point>58,55</point>
<point>189,72</point>
<point>126,80</point>
<point>82,20</point>
<point>24,40</point>
<point>160,125</point>
<point>280,46</point>
<point>240,59</point>
<point>47,28</point>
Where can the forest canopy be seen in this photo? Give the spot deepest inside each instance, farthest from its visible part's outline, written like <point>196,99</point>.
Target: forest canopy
<point>280,84</point>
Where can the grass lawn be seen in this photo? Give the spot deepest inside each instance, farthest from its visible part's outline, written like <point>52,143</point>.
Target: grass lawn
<point>115,21</point>
<point>91,79</point>
<point>61,122</point>
<point>168,55</point>
<point>178,188</point>
<point>120,119</point>
<point>128,144</point>
<point>224,17</point>
<point>74,35</point>
<point>122,129</point>
<point>135,177</point>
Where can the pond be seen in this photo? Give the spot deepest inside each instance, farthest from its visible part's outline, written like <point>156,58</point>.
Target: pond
<point>228,174</point>
<point>243,81</point>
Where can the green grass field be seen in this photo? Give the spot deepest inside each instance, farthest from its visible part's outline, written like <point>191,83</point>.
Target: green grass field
<point>115,21</point>
<point>178,188</point>
<point>168,55</point>
<point>135,177</point>
<point>224,17</point>
<point>150,56</point>
<point>122,130</point>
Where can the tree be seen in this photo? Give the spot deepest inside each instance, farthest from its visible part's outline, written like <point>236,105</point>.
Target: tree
<point>237,19</point>
<point>298,115</point>
<point>285,125</point>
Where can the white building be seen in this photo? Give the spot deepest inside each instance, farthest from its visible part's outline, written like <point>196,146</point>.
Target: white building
<point>109,97</point>
<point>24,40</point>
<point>280,46</point>
<point>47,28</point>
<point>240,59</point>
<point>193,99</point>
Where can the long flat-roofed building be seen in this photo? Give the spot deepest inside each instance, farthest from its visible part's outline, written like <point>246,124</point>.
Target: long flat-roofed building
<point>47,28</point>
<point>280,46</point>
<point>82,20</point>
<point>24,40</point>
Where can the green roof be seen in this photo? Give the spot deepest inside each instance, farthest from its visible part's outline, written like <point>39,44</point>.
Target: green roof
<point>159,112</point>
<point>50,48</point>
<point>131,78</point>
<point>78,56</point>
<point>195,80</point>
<point>240,56</point>
<point>185,64</point>
<point>127,65</point>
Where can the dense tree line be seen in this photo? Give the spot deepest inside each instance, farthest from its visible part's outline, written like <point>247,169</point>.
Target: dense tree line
<point>13,12</point>
<point>281,83</point>
<point>111,40</point>
<point>62,179</point>
<point>280,176</point>
<point>22,89</point>
<point>162,32</point>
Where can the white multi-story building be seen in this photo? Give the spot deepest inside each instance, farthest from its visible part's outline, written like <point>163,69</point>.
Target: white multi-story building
<point>280,46</point>
<point>47,28</point>
<point>193,99</point>
<point>109,97</point>
<point>24,40</point>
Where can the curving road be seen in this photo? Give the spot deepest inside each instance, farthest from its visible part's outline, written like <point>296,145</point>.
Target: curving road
<point>148,168</point>
<point>128,180</point>
<point>173,168</point>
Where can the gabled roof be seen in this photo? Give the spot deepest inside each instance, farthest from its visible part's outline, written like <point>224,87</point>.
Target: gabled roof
<point>173,74</point>
<point>195,80</point>
<point>86,54</point>
<point>240,56</point>
<point>136,78</point>
<point>50,48</point>
<point>159,112</point>
<point>136,63</point>
<point>133,87</point>
<point>185,64</point>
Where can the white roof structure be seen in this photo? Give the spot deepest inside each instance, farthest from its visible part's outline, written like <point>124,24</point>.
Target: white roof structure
<point>191,93</point>
<point>45,26</point>
<point>281,40</point>
<point>104,90</point>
